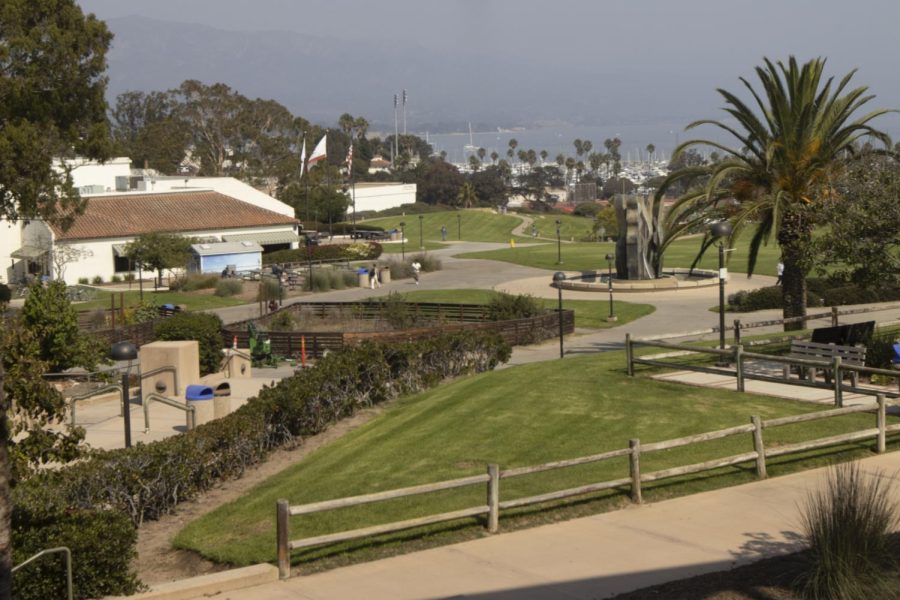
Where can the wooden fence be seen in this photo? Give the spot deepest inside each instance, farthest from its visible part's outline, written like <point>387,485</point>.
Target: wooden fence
<point>632,483</point>
<point>448,318</point>
<point>738,357</point>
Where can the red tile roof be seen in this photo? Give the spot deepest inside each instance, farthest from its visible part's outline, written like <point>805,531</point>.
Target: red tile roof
<point>134,214</point>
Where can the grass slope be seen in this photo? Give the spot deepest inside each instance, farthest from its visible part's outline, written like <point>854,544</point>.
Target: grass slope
<point>514,417</point>
<point>588,313</point>
<point>477,226</point>
<point>191,301</point>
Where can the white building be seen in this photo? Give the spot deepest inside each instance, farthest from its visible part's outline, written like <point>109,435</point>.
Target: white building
<point>121,207</point>
<point>380,196</point>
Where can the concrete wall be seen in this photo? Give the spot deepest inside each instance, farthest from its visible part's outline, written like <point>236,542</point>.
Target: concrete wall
<point>381,196</point>
<point>91,172</point>
<point>10,241</point>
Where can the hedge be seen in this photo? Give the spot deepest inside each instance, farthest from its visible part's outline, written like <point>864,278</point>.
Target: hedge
<point>206,328</point>
<point>149,480</point>
<point>357,251</point>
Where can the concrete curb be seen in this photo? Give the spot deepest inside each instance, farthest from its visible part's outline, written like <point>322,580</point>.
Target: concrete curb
<point>208,585</point>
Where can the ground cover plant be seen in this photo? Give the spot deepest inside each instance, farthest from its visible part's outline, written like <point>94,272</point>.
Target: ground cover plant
<point>518,416</point>
<point>588,313</point>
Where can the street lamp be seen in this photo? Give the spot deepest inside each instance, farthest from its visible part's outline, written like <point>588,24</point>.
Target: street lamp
<point>421,239</point>
<point>558,278</point>
<point>458,226</point>
<point>609,261</point>
<point>125,351</point>
<point>403,240</point>
<point>558,243</point>
<point>721,230</point>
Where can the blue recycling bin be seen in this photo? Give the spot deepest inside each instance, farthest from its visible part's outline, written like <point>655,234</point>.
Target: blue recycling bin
<point>199,392</point>
<point>896,359</point>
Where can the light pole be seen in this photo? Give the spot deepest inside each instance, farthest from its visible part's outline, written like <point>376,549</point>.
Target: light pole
<point>125,351</point>
<point>558,278</point>
<point>458,226</point>
<point>421,239</point>
<point>609,261</point>
<point>721,230</point>
<point>403,240</point>
<point>558,243</point>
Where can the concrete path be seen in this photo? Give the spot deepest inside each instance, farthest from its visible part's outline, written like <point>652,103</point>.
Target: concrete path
<point>591,557</point>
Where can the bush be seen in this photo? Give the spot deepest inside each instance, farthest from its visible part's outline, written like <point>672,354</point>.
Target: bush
<point>403,270</point>
<point>194,281</point>
<point>880,350</point>
<point>97,280</point>
<point>320,281</point>
<point>847,526</point>
<point>586,209</point>
<point>102,544</point>
<point>129,277</point>
<point>206,328</point>
<point>269,289</point>
<point>849,294</point>
<point>83,280</point>
<point>504,307</point>
<point>336,280</point>
<point>282,321</point>
<point>763,298</point>
<point>116,279</point>
<point>354,251</point>
<point>5,294</point>
<point>229,287</point>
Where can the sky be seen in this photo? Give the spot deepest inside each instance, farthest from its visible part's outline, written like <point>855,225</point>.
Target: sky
<point>705,44</point>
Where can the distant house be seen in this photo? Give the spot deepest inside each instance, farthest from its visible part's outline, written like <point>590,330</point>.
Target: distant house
<point>378,164</point>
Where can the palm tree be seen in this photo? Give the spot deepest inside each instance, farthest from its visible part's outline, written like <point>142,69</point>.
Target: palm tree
<point>513,143</point>
<point>544,156</point>
<point>481,154</point>
<point>561,160</point>
<point>800,133</point>
<point>579,147</point>
<point>586,147</point>
<point>494,157</point>
<point>650,150</point>
<point>467,198</point>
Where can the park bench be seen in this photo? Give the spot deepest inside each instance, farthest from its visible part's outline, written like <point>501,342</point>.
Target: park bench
<point>366,234</point>
<point>851,355</point>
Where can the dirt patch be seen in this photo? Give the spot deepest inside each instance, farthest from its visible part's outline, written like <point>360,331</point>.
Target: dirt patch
<point>159,562</point>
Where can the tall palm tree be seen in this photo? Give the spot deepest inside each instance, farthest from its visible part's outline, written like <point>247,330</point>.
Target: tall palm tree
<point>544,156</point>
<point>801,131</point>
<point>586,147</point>
<point>494,157</point>
<point>467,198</point>
<point>481,154</point>
<point>650,150</point>
<point>579,147</point>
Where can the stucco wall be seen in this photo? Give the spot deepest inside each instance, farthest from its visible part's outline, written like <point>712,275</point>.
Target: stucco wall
<point>382,196</point>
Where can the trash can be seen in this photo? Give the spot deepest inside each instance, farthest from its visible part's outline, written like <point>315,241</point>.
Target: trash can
<point>384,275</point>
<point>363,275</point>
<point>222,400</point>
<point>201,398</point>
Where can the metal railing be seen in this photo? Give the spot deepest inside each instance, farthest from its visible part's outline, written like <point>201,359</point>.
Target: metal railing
<point>64,550</point>
<point>633,482</point>
<point>90,394</point>
<point>187,408</point>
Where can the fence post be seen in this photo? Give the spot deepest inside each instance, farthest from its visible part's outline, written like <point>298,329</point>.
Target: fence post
<point>628,355</point>
<point>737,332</point>
<point>634,464</point>
<point>758,447</point>
<point>282,537</point>
<point>739,366</point>
<point>834,316</point>
<point>493,497</point>
<point>880,418</point>
<point>838,383</point>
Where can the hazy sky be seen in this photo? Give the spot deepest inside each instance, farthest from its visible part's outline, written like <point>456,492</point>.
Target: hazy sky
<point>708,43</point>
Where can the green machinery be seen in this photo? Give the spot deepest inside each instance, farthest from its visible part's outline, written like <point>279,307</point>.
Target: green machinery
<point>260,348</point>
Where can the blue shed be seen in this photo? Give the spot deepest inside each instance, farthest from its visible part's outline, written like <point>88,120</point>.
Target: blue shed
<point>215,257</point>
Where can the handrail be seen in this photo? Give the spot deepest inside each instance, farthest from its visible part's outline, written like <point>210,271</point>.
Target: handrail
<point>229,356</point>
<point>158,370</point>
<point>62,549</point>
<point>98,392</point>
<point>187,408</point>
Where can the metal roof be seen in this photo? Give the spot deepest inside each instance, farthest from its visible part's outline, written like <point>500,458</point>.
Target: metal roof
<point>220,248</point>
<point>269,237</point>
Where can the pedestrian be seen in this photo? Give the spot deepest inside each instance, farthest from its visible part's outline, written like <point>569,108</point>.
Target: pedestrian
<point>416,267</point>
<point>780,271</point>
<point>533,230</point>
<point>373,277</point>
<point>443,233</point>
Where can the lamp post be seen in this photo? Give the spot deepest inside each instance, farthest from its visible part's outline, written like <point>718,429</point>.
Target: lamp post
<point>421,239</point>
<point>558,243</point>
<point>458,226</point>
<point>558,278</point>
<point>609,261</point>
<point>721,230</point>
<point>125,351</point>
<point>403,240</point>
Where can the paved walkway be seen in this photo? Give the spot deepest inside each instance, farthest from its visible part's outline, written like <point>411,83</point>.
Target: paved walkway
<point>591,557</point>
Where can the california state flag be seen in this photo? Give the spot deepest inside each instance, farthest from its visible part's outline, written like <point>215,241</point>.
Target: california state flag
<point>318,153</point>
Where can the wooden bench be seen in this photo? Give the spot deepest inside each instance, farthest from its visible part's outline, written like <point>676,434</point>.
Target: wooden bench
<point>850,355</point>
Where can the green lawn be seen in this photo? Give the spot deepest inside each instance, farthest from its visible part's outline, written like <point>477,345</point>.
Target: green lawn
<point>191,301</point>
<point>588,313</point>
<point>589,256</point>
<point>518,416</point>
<point>476,226</point>
<point>571,227</point>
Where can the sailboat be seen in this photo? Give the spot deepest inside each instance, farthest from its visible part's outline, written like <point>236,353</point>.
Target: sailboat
<point>470,147</point>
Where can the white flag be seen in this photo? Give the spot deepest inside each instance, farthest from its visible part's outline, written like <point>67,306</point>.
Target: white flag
<point>318,153</point>
<point>303,157</point>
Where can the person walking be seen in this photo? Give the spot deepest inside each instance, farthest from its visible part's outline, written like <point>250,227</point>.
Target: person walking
<point>373,277</point>
<point>779,269</point>
<point>443,233</point>
<point>416,267</point>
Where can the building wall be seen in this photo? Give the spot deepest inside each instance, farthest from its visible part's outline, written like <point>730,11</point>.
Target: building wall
<point>91,172</point>
<point>372,196</point>
<point>10,241</point>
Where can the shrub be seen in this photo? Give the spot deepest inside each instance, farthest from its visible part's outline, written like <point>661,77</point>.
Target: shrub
<point>282,321</point>
<point>116,279</point>
<point>336,280</point>
<point>320,281</point>
<point>880,350</point>
<point>354,251</point>
<point>849,294</point>
<point>206,328</point>
<point>504,307</point>
<point>429,262</point>
<point>586,209</point>
<point>395,310</point>
<point>97,280</point>
<point>229,287</point>
<point>763,298</point>
<point>847,526</point>
<point>269,289</point>
<point>195,281</point>
<point>83,280</point>
<point>5,294</point>
<point>129,277</point>
<point>403,270</point>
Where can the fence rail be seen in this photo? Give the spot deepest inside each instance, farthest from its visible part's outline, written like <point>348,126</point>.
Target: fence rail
<point>632,483</point>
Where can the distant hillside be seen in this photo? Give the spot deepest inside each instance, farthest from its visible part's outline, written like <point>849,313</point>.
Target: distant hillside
<point>319,78</point>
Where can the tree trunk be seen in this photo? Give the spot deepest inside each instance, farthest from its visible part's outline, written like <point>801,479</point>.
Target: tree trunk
<point>5,505</point>
<point>794,237</point>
